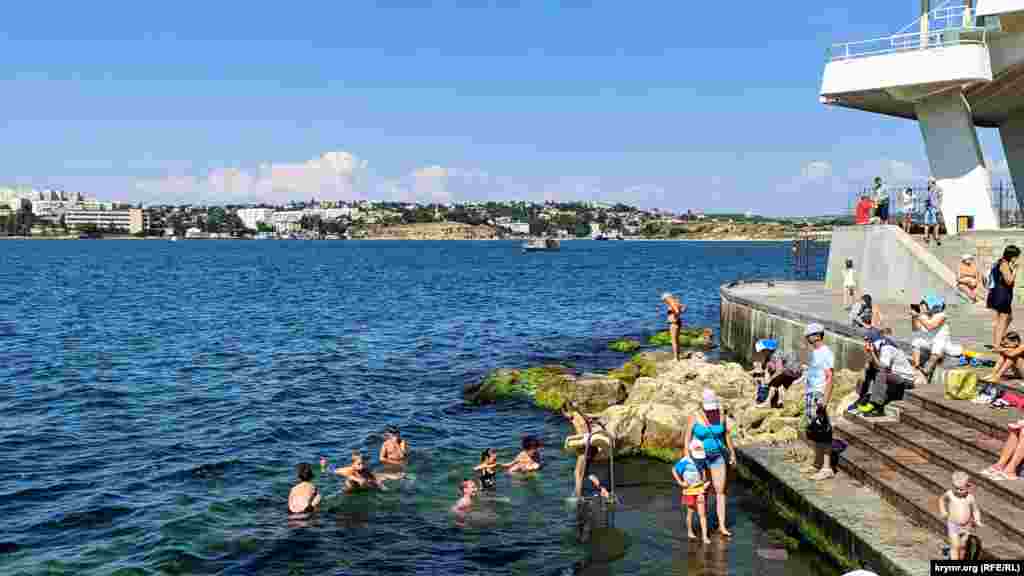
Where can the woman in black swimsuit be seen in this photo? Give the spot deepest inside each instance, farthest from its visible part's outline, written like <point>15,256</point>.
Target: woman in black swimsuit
<point>675,320</point>
<point>488,469</point>
<point>1000,295</point>
<point>304,497</point>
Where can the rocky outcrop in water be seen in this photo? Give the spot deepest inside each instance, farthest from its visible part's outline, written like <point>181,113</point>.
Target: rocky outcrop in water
<point>645,405</point>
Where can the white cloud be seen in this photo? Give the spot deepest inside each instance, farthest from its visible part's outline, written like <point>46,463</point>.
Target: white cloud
<point>335,175</point>
<point>817,170</point>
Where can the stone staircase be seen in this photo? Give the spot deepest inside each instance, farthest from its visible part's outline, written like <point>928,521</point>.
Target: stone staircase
<point>909,461</point>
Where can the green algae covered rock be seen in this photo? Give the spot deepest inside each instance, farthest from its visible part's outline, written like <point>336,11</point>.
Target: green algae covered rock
<point>639,366</point>
<point>548,387</point>
<point>625,345</point>
<point>688,338</point>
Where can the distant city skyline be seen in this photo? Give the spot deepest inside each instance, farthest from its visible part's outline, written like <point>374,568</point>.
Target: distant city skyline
<point>657,107</point>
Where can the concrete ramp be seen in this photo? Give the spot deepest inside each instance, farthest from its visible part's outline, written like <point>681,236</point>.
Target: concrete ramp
<point>889,265</point>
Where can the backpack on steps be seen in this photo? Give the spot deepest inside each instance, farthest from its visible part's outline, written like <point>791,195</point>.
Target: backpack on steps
<point>961,385</point>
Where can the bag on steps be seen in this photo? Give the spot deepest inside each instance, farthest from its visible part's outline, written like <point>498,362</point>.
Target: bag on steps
<point>972,550</point>
<point>961,385</point>
<point>819,429</point>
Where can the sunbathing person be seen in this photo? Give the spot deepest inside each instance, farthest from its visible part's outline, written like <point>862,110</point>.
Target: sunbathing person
<point>968,279</point>
<point>1011,456</point>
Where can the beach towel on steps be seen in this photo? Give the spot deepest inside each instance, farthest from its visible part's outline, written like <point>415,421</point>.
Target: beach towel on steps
<point>1015,399</point>
<point>961,385</point>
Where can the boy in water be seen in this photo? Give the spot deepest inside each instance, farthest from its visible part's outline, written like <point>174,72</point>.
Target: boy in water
<point>961,512</point>
<point>394,449</point>
<point>692,476</point>
<point>467,491</point>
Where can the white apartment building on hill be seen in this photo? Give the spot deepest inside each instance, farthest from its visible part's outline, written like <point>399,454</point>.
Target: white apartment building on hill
<point>253,217</point>
<point>133,220</point>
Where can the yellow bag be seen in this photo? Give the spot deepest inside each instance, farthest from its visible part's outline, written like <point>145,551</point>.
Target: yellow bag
<point>961,385</point>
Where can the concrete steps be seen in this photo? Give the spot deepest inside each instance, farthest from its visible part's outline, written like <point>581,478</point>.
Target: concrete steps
<point>910,463</point>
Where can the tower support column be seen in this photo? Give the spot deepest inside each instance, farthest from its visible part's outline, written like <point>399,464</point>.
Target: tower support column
<point>956,160</point>
<point>1012,135</point>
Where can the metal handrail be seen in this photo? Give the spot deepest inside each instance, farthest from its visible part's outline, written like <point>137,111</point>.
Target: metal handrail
<point>907,42</point>
<point>945,15</point>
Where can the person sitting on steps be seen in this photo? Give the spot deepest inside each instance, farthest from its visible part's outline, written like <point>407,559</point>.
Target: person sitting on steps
<point>968,279</point>
<point>866,314</point>
<point>888,367</point>
<point>1011,356</point>
<point>1010,457</point>
<point>932,335</point>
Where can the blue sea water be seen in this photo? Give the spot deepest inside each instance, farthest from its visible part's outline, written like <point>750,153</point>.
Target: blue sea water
<point>155,398</point>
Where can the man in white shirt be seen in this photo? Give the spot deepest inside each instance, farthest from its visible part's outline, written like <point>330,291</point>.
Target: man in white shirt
<point>887,366</point>
<point>881,201</point>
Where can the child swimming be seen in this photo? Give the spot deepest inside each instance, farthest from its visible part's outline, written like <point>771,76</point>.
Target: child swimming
<point>357,475</point>
<point>467,489</point>
<point>488,469</point>
<point>529,459</point>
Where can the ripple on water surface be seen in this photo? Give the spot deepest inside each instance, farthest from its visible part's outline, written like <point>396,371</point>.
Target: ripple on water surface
<point>156,397</point>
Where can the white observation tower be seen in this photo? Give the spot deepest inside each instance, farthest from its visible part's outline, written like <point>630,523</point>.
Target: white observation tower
<point>959,65</point>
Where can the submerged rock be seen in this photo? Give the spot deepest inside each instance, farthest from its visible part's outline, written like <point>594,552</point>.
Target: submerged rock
<point>626,345</point>
<point>688,338</point>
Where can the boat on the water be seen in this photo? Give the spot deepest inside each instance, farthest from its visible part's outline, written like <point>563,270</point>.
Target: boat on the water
<point>541,245</point>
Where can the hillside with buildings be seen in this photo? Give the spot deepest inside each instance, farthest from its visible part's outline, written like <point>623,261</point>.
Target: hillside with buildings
<point>56,213</point>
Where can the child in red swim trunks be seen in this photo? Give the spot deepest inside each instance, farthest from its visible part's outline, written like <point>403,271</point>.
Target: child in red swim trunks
<point>691,475</point>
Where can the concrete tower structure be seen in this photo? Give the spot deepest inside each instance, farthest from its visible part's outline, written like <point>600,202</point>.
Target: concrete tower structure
<point>958,66</point>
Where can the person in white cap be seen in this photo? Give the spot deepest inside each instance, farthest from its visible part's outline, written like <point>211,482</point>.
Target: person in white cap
<point>968,279</point>
<point>708,426</point>
<point>818,393</point>
<point>690,474</point>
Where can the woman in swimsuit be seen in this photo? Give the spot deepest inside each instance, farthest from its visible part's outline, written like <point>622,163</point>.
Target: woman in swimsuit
<point>488,469</point>
<point>675,320</point>
<point>587,443</point>
<point>708,426</point>
<point>304,497</point>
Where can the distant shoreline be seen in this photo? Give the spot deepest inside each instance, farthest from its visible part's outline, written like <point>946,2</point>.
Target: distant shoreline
<point>386,239</point>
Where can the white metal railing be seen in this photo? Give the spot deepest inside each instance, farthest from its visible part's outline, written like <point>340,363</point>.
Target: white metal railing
<point>948,25</point>
<point>944,17</point>
<point>907,42</point>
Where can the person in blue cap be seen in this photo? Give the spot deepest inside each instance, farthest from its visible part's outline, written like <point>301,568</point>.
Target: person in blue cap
<point>933,336</point>
<point>777,371</point>
<point>888,367</point>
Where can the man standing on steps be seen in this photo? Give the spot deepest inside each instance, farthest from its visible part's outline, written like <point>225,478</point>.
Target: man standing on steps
<point>818,393</point>
<point>932,209</point>
<point>881,201</point>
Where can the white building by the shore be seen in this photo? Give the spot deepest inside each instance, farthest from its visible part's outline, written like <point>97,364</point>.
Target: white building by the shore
<point>252,217</point>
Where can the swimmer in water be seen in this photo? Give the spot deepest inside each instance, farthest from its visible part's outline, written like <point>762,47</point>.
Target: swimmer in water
<point>358,476</point>
<point>488,469</point>
<point>304,497</point>
<point>467,489</point>
<point>529,459</point>
<point>394,450</point>
<point>591,443</point>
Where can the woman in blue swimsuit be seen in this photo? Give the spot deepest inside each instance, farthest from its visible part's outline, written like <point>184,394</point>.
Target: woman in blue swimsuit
<point>708,426</point>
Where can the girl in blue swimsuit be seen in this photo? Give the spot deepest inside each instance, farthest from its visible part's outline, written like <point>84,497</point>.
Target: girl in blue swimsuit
<point>708,426</point>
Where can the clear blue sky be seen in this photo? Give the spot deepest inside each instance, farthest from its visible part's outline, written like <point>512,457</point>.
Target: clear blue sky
<point>667,105</point>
